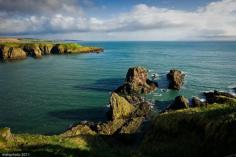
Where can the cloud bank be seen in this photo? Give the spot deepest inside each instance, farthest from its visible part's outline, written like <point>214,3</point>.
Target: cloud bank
<point>217,21</point>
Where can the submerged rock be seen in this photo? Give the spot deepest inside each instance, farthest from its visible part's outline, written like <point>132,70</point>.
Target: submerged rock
<point>180,102</point>
<point>137,82</point>
<point>176,79</point>
<point>219,97</point>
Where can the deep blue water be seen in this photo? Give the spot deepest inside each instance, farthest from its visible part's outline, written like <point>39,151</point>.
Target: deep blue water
<point>48,95</point>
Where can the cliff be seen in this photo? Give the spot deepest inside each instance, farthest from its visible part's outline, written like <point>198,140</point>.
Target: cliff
<point>14,51</point>
<point>132,129</point>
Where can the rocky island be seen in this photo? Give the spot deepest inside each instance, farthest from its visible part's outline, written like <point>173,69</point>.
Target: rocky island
<point>21,49</point>
<point>185,128</point>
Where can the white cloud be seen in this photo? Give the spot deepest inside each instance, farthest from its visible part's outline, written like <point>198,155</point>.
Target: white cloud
<point>217,20</point>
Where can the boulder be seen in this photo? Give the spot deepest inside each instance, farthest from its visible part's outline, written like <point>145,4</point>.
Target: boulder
<point>120,108</point>
<point>180,102</point>
<point>234,89</point>
<point>5,133</point>
<point>176,79</point>
<point>137,82</point>
<point>196,102</point>
<point>219,97</point>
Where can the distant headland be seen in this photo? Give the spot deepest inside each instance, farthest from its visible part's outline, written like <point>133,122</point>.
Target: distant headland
<point>21,48</point>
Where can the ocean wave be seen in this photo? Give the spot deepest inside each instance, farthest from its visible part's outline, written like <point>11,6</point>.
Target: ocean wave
<point>232,86</point>
<point>157,94</point>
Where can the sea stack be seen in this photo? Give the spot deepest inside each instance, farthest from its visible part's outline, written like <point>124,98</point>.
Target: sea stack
<point>176,79</point>
<point>137,82</point>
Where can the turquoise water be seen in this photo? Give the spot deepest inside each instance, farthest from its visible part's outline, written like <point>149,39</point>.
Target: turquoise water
<point>48,95</point>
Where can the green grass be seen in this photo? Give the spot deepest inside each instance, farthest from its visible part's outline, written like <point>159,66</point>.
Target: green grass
<point>202,131</point>
<point>206,131</point>
<point>71,45</point>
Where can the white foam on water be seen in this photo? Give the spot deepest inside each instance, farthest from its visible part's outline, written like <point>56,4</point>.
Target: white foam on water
<point>232,86</point>
<point>202,100</point>
<point>234,94</point>
<point>157,94</point>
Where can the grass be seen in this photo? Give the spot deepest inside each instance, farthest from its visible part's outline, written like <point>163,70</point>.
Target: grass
<point>202,131</point>
<point>206,131</point>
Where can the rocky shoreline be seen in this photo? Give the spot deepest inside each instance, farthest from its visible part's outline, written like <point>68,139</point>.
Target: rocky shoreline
<point>19,51</point>
<point>203,128</point>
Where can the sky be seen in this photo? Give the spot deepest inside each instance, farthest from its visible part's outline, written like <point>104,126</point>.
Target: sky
<point>119,20</point>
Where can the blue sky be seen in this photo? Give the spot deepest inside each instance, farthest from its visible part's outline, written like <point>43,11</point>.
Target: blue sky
<point>119,19</point>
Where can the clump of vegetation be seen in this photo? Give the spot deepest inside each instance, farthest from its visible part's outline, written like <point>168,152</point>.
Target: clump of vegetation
<point>205,131</point>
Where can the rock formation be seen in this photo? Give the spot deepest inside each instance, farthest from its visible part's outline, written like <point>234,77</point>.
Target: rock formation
<point>120,107</point>
<point>137,82</point>
<point>180,102</point>
<point>196,102</point>
<point>127,109</point>
<point>176,79</point>
<point>5,133</point>
<point>13,51</point>
<point>219,97</point>
<point>10,53</point>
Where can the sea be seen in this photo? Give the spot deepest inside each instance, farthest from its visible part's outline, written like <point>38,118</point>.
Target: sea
<point>49,95</point>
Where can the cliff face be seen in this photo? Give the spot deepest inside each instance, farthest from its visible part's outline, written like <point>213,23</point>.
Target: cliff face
<point>11,53</point>
<point>15,51</point>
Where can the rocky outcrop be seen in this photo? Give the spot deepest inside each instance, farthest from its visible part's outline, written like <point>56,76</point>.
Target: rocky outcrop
<point>127,109</point>
<point>10,53</point>
<point>137,82</point>
<point>13,51</point>
<point>219,97</point>
<point>176,79</point>
<point>5,134</point>
<point>196,102</point>
<point>119,107</point>
<point>180,102</point>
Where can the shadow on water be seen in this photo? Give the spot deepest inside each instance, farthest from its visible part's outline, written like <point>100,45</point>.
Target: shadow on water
<point>163,81</point>
<point>89,114</point>
<point>161,105</point>
<point>104,85</point>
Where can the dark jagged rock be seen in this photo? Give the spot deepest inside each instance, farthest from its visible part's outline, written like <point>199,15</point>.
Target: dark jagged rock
<point>234,89</point>
<point>176,79</point>
<point>142,109</point>
<point>33,51</point>
<point>196,102</point>
<point>219,97</point>
<point>137,82</point>
<point>110,127</point>
<point>180,102</point>
<point>132,125</point>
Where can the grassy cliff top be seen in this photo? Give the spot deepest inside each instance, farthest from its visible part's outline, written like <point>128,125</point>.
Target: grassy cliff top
<point>20,44</point>
<point>207,131</point>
